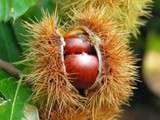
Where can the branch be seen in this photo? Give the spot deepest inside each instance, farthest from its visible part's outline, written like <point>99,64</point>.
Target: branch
<point>9,68</point>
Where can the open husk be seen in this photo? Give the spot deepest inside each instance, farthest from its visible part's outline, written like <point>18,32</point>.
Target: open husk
<point>53,93</point>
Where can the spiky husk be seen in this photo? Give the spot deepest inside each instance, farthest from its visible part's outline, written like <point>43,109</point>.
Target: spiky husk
<point>52,90</point>
<point>125,12</point>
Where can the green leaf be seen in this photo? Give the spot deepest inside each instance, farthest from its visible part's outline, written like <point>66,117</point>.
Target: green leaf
<point>15,97</point>
<point>14,8</point>
<point>9,49</point>
<point>3,74</point>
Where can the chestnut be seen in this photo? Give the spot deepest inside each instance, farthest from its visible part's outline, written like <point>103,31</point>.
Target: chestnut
<point>83,69</point>
<point>77,45</point>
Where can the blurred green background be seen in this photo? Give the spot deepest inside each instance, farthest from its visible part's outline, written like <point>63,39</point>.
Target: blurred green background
<point>145,104</point>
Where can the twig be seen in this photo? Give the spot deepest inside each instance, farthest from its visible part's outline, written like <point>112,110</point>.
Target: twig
<point>9,68</point>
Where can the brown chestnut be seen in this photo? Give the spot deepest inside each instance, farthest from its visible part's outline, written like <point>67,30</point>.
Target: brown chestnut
<point>83,69</point>
<point>77,45</point>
